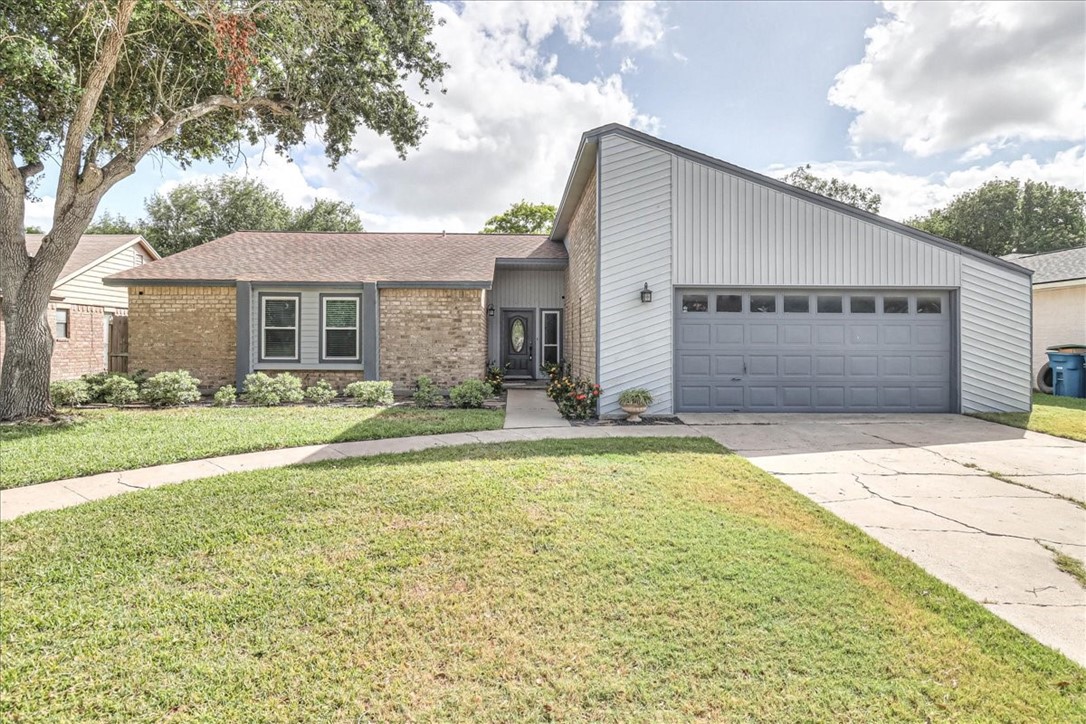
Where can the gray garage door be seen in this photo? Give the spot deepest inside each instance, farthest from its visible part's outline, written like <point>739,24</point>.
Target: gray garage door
<point>819,350</point>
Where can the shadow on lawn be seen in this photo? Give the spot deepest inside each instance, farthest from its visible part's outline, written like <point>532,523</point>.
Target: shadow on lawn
<point>560,447</point>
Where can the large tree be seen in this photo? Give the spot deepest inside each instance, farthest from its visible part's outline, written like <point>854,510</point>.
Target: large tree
<point>100,85</point>
<point>852,194</point>
<point>196,212</point>
<point>522,218</point>
<point>1007,216</point>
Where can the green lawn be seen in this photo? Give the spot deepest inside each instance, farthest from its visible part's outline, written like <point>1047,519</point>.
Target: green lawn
<point>102,440</point>
<point>1060,416</point>
<point>589,580</point>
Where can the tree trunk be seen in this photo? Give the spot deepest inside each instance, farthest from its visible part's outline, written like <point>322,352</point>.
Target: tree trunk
<point>28,349</point>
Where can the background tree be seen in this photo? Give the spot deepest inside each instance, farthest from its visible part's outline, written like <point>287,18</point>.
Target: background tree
<point>859,196</point>
<point>1005,216</point>
<point>34,230</point>
<point>108,223</point>
<point>99,85</point>
<point>522,218</point>
<point>197,212</point>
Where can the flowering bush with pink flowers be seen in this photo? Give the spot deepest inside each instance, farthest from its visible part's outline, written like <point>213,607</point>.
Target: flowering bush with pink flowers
<point>576,398</point>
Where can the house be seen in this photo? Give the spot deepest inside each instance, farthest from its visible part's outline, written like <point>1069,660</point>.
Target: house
<point>716,288</point>
<point>1059,304</point>
<point>85,313</point>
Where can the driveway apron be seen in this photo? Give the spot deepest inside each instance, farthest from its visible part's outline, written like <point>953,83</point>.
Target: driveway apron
<point>983,507</point>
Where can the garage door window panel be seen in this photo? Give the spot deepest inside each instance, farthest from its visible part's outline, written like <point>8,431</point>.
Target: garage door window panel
<point>895,305</point>
<point>828,304</point>
<point>797,304</point>
<point>729,303</point>
<point>929,305</point>
<point>695,302</point>
<point>861,304</point>
<point>763,303</point>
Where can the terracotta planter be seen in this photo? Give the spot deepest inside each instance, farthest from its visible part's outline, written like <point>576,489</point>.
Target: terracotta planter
<point>633,412</point>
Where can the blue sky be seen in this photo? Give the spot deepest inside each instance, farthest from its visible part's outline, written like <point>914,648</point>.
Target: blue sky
<point>919,101</point>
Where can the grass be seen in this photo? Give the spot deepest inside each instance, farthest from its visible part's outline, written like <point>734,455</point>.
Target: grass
<point>100,441</point>
<point>1059,416</point>
<point>587,580</point>
<point>1068,564</point>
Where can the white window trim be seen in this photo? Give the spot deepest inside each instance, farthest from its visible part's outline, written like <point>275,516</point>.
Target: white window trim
<point>264,299</point>
<point>543,335</point>
<point>357,327</point>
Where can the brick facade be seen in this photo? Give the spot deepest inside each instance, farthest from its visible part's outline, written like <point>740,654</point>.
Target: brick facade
<point>440,333</point>
<point>582,285</point>
<point>184,328</point>
<point>84,350</point>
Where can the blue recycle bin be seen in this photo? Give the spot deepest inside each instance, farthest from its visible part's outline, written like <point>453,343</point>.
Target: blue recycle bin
<point>1068,379</point>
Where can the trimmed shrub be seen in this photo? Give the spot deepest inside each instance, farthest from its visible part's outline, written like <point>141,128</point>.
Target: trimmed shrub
<point>225,396</point>
<point>94,381</point>
<point>260,390</point>
<point>118,390</point>
<point>288,387</point>
<point>69,393</point>
<point>427,393</point>
<point>576,398</point>
<point>170,389</point>
<point>370,392</point>
<point>320,393</point>
<point>470,393</point>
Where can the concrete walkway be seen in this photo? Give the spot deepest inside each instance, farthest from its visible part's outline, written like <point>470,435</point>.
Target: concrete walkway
<point>981,506</point>
<point>528,408</point>
<point>66,493</point>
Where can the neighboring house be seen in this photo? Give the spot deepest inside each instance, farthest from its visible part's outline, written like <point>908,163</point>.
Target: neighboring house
<point>82,309</point>
<point>764,297</point>
<point>1059,304</point>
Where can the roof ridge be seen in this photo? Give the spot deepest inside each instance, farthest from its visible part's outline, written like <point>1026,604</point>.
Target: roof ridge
<point>1050,251</point>
<point>385,233</point>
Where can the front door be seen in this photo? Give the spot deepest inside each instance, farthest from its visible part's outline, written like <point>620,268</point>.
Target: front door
<point>518,343</point>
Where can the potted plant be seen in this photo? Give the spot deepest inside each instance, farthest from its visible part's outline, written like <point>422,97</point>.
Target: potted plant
<point>634,402</point>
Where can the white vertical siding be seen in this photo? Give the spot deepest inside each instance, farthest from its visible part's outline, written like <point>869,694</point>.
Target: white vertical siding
<point>523,289</point>
<point>733,232</point>
<point>635,347</point>
<point>995,338</point>
<point>87,287</point>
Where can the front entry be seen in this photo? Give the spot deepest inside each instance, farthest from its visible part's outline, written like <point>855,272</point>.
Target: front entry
<point>518,343</point>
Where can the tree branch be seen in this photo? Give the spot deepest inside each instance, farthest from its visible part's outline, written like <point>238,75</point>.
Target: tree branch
<point>84,113</point>
<point>162,131</point>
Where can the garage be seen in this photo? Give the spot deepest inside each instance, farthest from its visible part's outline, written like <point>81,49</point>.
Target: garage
<point>813,350</point>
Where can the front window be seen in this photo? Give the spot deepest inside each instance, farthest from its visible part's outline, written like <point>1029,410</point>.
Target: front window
<point>62,320</point>
<point>552,332</point>
<point>279,325</point>
<point>340,332</point>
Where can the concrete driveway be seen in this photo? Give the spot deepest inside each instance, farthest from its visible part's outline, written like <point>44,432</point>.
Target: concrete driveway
<point>979,505</point>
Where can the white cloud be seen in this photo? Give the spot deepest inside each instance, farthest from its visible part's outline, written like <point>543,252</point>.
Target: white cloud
<point>908,195</point>
<point>940,77</point>
<point>40,213</point>
<point>975,153</point>
<point>507,128</point>
<point>627,66</point>
<point>640,23</point>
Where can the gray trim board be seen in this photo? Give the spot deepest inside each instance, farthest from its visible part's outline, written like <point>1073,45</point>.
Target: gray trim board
<point>241,355</point>
<point>595,134</point>
<point>169,282</point>
<point>515,263</point>
<point>370,332</point>
<point>435,285</point>
<point>297,328</point>
<point>599,260</point>
<point>955,312</point>
<point>322,359</point>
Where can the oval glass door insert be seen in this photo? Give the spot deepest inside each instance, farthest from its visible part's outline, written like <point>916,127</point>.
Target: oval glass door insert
<point>516,335</point>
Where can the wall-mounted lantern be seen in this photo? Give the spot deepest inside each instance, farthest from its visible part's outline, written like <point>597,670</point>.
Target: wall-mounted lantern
<point>646,294</point>
<point>490,310</point>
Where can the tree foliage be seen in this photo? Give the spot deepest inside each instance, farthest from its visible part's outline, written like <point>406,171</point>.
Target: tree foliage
<point>851,194</point>
<point>109,223</point>
<point>522,218</point>
<point>194,213</point>
<point>99,85</point>
<point>1007,216</point>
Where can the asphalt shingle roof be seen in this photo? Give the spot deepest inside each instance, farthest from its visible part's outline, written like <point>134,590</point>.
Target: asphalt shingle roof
<point>89,248</point>
<point>270,256</point>
<point>1054,266</point>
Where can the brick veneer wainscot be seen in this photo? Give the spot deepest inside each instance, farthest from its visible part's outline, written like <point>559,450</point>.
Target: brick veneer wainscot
<point>440,333</point>
<point>582,285</point>
<point>190,328</point>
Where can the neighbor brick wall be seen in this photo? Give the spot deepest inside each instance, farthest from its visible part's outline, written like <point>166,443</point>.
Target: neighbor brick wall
<point>582,285</point>
<point>84,351</point>
<point>1059,317</point>
<point>184,328</point>
<point>440,333</point>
